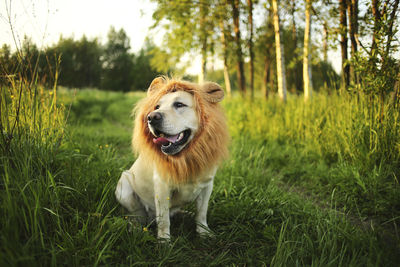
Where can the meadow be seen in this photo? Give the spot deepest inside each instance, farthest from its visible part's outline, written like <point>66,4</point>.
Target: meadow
<point>306,184</point>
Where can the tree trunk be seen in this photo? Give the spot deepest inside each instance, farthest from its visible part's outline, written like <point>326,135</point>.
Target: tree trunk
<point>343,43</point>
<point>352,9</point>
<point>307,54</point>
<point>292,10</point>
<point>204,47</point>
<point>395,99</point>
<point>390,29</point>
<point>203,70</point>
<point>267,77</point>
<point>377,19</point>
<point>269,54</point>
<point>272,76</point>
<point>225,55</point>
<point>296,69</point>
<point>251,52</point>
<point>325,42</point>
<point>280,60</point>
<point>227,80</point>
<point>239,54</point>
<point>352,12</point>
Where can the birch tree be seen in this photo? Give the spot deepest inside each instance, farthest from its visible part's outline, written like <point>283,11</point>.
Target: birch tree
<point>306,53</point>
<point>238,40</point>
<point>343,42</point>
<point>203,34</point>
<point>264,48</point>
<point>188,26</point>
<point>352,13</point>
<point>280,60</point>
<point>251,50</point>
<point>325,35</point>
<point>221,15</point>
<point>225,59</point>
<point>295,65</point>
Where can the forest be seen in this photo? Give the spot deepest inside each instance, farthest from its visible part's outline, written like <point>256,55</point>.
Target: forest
<point>313,173</point>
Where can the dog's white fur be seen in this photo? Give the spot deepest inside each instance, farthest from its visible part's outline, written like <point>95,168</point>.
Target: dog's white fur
<point>146,194</point>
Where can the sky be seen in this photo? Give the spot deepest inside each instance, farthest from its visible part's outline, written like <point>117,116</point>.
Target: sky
<point>46,20</point>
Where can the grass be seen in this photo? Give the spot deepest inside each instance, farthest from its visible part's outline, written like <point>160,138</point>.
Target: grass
<point>337,143</point>
<point>297,189</point>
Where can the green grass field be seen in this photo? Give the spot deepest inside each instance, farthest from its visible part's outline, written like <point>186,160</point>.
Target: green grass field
<point>306,185</point>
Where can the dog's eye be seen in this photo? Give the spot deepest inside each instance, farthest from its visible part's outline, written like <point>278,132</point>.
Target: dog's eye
<point>179,105</point>
<point>156,107</point>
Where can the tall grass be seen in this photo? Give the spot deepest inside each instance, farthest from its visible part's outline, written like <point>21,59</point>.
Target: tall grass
<point>32,126</point>
<point>355,150</point>
<point>338,126</point>
<point>58,206</point>
<point>29,112</point>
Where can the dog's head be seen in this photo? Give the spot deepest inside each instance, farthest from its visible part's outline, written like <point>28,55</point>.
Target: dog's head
<point>181,126</point>
<point>174,122</point>
<point>175,119</point>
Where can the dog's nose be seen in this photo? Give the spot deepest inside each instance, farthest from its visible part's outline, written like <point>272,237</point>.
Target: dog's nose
<point>154,117</point>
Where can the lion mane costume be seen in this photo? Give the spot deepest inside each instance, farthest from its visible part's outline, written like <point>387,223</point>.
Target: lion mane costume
<point>208,147</point>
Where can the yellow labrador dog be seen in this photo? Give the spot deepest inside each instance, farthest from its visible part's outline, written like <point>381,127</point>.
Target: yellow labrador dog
<point>180,136</point>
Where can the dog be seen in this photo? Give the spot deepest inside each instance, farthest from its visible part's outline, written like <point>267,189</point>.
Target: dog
<point>180,137</point>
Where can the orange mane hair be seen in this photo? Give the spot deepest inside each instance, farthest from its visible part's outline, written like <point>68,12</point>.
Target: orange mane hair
<point>208,147</point>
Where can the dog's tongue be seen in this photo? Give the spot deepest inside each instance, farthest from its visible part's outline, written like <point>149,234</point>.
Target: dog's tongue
<point>165,140</point>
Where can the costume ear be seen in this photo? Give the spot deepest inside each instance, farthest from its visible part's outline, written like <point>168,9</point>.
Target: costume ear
<point>155,85</point>
<point>213,92</point>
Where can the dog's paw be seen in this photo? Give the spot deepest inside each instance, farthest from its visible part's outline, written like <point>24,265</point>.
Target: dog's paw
<point>163,236</point>
<point>204,231</point>
<point>164,240</point>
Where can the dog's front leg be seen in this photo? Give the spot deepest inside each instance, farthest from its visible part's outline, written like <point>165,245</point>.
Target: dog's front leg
<point>202,207</point>
<point>161,200</point>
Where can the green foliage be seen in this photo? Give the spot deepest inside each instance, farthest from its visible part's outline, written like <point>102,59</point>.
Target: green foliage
<point>83,63</point>
<point>58,204</point>
<point>143,70</point>
<point>118,63</point>
<point>375,66</point>
<point>306,183</point>
<point>379,74</point>
<point>325,77</point>
<point>358,153</point>
<point>28,111</point>
<point>189,25</point>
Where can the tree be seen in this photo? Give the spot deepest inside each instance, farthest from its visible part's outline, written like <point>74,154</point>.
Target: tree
<point>280,60</point>
<point>294,62</point>
<point>325,41</point>
<point>384,19</point>
<point>80,64</point>
<point>225,59</point>
<point>377,65</point>
<point>66,48</point>
<point>89,54</point>
<point>6,65</point>
<point>143,72</point>
<point>264,48</point>
<point>118,62</point>
<point>189,26</point>
<point>251,50</point>
<point>203,36</point>
<point>239,53</point>
<point>306,54</point>
<point>343,43</point>
<point>352,13</point>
